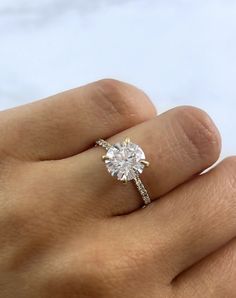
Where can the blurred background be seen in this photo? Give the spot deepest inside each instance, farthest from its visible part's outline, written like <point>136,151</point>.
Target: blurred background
<point>178,51</point>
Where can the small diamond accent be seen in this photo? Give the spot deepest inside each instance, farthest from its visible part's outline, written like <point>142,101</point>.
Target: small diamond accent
<point>123,160</point>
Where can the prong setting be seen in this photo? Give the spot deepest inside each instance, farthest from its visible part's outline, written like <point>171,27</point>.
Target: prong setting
<point>145,162</point>
<point>125,181</point>
<point>127,140</point>
<point>105,157</point>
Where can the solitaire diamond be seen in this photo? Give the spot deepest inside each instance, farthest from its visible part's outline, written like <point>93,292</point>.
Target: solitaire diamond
<point>125,160</point>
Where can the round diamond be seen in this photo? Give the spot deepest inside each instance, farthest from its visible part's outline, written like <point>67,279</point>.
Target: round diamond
<point>124,160</point>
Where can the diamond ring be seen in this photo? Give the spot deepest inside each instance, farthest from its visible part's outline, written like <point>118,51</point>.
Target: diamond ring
<point>126,161</point>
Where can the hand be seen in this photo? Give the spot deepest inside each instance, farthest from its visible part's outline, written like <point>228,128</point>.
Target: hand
<point>69,229</point>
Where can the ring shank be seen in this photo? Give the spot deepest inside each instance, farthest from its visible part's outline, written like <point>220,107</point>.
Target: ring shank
<point>138,182</point>
<point>142,190</point>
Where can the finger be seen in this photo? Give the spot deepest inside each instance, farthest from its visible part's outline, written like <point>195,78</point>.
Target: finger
<point>178,144</point>
<point>214,276</point>
<point>70,122</point>
<point>194,220</point>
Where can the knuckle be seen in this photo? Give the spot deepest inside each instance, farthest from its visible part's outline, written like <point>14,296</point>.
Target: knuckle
<point>106,269</point>
<point>20,223</point>
<point>99,266</point>
<point>94,273</point>
<point>201,133</point>
<point>16,234</point>
<point>123,100</point>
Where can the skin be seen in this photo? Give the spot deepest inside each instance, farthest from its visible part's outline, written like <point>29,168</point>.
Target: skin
<point>68,229</point>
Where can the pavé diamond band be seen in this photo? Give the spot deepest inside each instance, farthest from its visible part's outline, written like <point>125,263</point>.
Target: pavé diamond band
<point>126,161</point>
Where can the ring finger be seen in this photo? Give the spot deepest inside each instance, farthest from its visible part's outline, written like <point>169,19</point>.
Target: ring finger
<point>179,144</point>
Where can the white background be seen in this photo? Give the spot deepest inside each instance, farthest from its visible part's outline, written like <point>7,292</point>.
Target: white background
<point>178,51</point>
